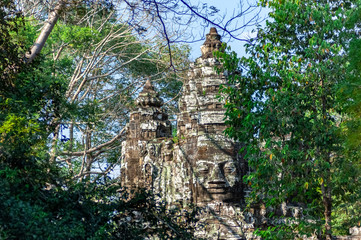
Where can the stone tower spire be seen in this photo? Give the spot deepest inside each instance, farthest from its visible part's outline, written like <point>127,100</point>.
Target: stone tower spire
<point>214,163</point>
<point>214,167</point>
<point>148,97</point>
<point>148,122</point>
<point>212,43</point>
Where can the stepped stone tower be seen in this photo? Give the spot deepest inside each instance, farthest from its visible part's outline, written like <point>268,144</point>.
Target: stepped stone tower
<point>212,158</point>
<point>147,128</point>
<point>214,166</point>
<point>203,167</point>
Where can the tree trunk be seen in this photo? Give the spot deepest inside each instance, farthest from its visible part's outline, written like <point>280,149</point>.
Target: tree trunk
<point>53,144</point>
<point>327,203</point>
<point>45,32</point>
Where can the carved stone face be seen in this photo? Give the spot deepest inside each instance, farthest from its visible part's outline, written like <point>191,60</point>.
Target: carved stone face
<point>217,180</point>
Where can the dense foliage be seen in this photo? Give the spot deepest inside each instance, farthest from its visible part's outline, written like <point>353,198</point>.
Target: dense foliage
<point>284,104</point>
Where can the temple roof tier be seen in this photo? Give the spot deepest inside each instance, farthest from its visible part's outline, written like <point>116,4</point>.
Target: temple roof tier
<point>212,43</point>
<point>148,97</point>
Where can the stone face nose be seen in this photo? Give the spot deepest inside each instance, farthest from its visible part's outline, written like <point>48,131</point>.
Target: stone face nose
<point>217,177</point>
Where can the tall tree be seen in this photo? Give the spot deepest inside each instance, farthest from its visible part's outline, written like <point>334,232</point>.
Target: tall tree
<point>282,103</point>
<point>350,97</point>
<point>104,63</point>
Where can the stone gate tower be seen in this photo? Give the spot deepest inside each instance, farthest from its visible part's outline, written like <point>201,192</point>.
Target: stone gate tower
<point>213,161</point>
<point>148,124</point>
<point>203,166</point>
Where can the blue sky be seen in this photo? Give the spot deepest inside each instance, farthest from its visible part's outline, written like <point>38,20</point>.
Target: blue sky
<point>227,8</point>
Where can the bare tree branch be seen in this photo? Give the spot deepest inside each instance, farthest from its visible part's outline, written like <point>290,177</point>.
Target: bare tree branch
<point>166,35</point>
<point>45,32</point>
<point>91,150</point>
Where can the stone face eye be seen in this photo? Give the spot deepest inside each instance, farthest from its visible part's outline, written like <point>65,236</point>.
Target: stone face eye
<point>229,168</point>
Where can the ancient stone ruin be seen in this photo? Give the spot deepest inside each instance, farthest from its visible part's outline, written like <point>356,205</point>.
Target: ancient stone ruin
<point>201,166</point>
